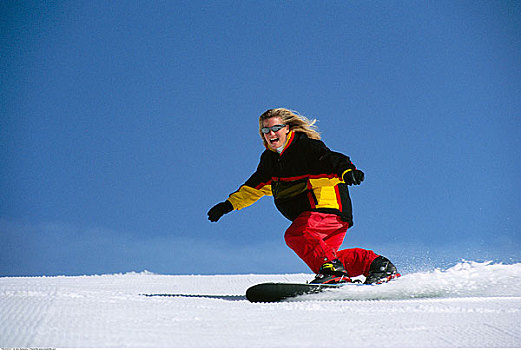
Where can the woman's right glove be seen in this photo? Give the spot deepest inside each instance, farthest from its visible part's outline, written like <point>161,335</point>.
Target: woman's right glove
<point>219,210</point>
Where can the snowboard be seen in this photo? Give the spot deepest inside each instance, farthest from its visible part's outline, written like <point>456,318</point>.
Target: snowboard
<point>273,292</point>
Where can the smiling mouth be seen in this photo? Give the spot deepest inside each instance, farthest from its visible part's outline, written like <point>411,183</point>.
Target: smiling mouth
<point>272,141</point>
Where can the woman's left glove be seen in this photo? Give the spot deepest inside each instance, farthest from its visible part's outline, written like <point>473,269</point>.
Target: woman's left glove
<point>354,177</point>
<point>219,210</point>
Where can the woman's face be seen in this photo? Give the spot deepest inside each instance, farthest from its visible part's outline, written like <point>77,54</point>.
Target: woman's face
<point>275,139</point>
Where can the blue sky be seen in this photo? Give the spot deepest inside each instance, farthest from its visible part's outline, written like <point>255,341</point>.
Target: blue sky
<point>124,122</point>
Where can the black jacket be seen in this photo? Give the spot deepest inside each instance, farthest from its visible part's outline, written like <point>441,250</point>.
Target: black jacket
<point>305,176</point>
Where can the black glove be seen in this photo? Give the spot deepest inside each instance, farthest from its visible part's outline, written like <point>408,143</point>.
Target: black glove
<point>354,177</point>
<point>219,210</point>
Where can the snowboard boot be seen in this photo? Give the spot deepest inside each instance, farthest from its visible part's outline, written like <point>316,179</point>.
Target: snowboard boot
<point>381,271</point>
<point>331,272</point>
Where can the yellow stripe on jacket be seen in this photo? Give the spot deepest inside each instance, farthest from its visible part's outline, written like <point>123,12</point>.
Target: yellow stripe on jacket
<point>325,192</point>
<point>246,196</point>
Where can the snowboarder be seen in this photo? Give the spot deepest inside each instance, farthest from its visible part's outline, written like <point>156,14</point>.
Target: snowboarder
<point>309,183</point>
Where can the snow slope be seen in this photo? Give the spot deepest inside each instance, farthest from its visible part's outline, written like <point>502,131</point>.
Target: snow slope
<point>468,305</point>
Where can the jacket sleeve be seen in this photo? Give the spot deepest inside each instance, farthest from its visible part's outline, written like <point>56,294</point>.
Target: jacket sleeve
<point>331,161</point>
<point>257,186</point>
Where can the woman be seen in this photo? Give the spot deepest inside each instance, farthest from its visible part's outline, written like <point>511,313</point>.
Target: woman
<point>309,184</point>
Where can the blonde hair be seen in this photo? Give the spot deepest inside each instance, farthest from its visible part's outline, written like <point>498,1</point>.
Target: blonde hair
<point>295,121</point>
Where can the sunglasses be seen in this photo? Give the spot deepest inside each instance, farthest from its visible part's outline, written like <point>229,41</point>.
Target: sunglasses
<point>274,128</point>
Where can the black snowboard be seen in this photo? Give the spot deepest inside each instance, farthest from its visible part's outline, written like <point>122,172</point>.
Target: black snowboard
<point>271,292</point>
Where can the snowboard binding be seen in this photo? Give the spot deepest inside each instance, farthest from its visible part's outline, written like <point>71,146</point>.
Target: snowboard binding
<point>381,270</point>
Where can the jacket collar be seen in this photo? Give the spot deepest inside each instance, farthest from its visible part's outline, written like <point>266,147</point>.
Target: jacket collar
<point>289,140</point>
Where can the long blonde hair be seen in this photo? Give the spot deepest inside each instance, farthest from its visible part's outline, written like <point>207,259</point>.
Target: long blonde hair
<point>295,121</point>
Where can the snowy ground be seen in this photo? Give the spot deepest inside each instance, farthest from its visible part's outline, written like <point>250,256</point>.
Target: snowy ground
<point>468,305</point>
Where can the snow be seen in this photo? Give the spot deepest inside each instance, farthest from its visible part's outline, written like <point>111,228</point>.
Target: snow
<point>469,305</point>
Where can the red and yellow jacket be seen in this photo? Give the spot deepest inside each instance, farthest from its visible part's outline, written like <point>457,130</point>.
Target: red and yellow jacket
<point>305,176</point>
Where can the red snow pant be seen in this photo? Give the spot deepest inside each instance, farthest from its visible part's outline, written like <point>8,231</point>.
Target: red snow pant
<point>316,238</point>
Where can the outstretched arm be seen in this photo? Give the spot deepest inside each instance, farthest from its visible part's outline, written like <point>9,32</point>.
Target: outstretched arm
<point>257,186</point>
